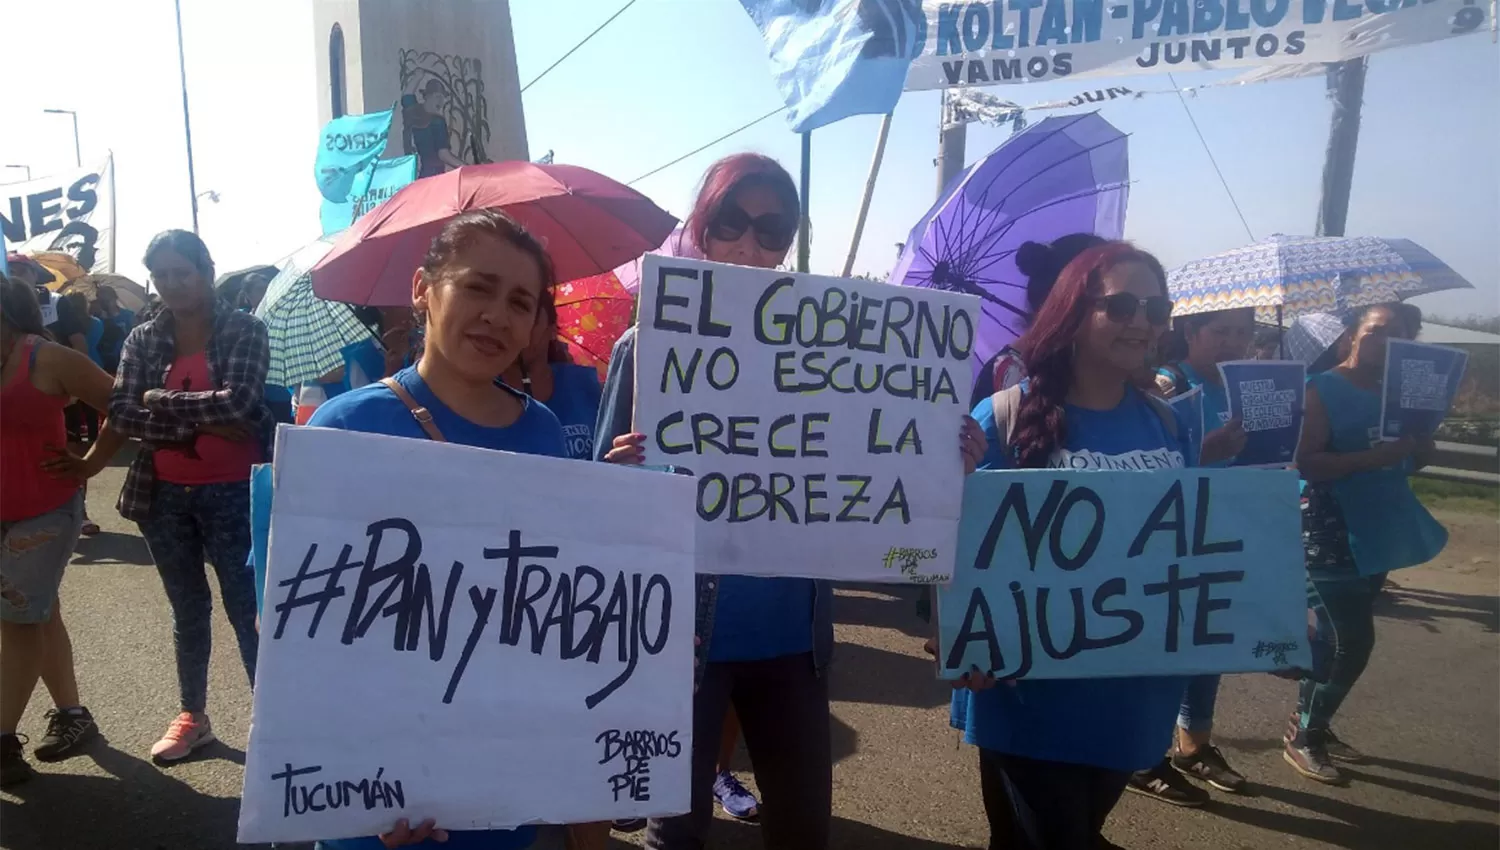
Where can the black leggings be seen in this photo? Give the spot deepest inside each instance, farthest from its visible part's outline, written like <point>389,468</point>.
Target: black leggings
<point>1046,805</point>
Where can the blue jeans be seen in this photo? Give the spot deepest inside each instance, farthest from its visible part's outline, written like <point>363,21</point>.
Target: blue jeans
<point>1197,712</point>
<point>187,524</point>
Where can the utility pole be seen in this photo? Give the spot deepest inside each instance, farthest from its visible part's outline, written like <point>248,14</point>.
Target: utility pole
<point>1346,86</point>
<point>804,227</point>
<point>187,123</point>
<point>951,143</point>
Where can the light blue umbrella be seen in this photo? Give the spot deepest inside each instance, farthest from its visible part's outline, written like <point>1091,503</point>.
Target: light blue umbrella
<point>307,333</point>
<point>1288,276</point>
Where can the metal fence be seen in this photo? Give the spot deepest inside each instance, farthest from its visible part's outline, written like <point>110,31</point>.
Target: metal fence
<point>1465,463</point>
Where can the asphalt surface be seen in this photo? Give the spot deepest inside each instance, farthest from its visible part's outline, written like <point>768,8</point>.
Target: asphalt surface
<point>1427,710</point>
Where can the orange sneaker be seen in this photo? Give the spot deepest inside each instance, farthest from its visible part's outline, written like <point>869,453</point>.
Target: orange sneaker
<point>184,735</point>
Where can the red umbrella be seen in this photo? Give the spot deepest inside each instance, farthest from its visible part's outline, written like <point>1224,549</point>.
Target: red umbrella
<point>592,313</point>
<point>589,223</point>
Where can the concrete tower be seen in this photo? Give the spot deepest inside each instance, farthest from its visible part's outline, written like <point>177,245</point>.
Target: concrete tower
<point>448,66</point>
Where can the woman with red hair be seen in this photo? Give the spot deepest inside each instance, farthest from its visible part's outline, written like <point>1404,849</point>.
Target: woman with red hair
<point>1055,755</point>
<point>764,642</point>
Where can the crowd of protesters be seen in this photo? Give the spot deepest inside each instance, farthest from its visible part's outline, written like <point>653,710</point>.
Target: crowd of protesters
<point>476,363</point>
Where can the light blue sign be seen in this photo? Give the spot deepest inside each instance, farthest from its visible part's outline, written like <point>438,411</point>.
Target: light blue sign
<point>346,149</point>
<point>260,527</point>
<point>1420,383</point>
<point>837,58</point>
<point>1267,397</point>
<point>1077,575</point>
<point>386,178</point>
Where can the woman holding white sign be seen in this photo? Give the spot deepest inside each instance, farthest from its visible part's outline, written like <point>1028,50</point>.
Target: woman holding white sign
<point>1360,520</point>
<point>478,293</point>
<point>765,642</point>
<point>1055,755</point>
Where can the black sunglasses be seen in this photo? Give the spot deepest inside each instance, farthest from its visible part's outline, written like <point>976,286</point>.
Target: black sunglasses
<point>774,232</point>
<point>1122,307</point>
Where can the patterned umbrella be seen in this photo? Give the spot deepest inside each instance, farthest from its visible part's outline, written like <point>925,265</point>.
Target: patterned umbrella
<point>307,333</point>
<point>1310,274</point>
<point>592,313</point>
<point>132,295</point>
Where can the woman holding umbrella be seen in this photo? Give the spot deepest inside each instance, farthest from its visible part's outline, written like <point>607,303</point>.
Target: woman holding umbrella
<point>1360,520</point>
<point>190,389</point>
<point>478,293</point>
<point>770,641</point>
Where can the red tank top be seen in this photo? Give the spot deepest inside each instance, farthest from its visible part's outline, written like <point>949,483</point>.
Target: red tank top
<point>31,421</point>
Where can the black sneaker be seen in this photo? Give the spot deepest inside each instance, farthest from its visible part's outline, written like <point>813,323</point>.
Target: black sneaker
<point>67,732</point>
<point>1167,785</point>
<point>1308,755</point>
<point>1209,765</point>
<point>14,769</point>
<point>1340,751</point>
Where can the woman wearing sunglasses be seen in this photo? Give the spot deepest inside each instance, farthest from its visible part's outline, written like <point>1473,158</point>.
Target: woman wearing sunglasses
<point>1062,750</point>
<point>764,642</point>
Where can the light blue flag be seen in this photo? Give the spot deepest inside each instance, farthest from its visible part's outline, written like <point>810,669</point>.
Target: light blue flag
<point>840,58</point>
<point>1079,575</point>
<point>346,148</point>
<point>385,178</point>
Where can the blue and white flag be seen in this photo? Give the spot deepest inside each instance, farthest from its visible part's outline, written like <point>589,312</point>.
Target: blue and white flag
<point>836,58</point>
<point>1420,383</point>
<point>346,149</point>
<point>385,177</point>
<point>1267,397</point>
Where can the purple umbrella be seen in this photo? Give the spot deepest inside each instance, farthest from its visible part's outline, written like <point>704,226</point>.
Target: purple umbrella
<point>1060,176</point>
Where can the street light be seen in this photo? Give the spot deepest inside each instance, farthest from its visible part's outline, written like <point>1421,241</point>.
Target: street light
<point>187,123</point>
<point>77,152</point>
<point>27,167</point>
<point>211,195</point>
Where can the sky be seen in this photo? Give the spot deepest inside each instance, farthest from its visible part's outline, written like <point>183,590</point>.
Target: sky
<point>670,75</point>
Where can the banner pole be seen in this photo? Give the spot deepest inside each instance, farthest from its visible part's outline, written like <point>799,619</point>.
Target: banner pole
<point>114,222</point>
<point>804,227</point>
<point>864,204</point>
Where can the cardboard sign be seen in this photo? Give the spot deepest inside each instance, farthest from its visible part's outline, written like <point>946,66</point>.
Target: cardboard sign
<point>472,636</point>
<point>1420,383</point>
<point>821,417</point>
<point>1076,575</point>
<point>1267,396</point>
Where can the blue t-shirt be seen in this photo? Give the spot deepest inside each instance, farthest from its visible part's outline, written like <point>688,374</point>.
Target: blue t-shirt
<point>363,364</point>
<point>1120,724</point>
<point>575,400</point>
<point>92,337</point>
<point>1389,528</point>
<point>1215,404</point>
<point>375,409</point>
<point>757,617</point>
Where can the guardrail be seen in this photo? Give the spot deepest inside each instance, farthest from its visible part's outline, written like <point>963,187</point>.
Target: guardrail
<point>1465,463</point>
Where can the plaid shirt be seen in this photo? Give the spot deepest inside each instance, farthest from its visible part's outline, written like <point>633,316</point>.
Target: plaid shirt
<point>238,356</point>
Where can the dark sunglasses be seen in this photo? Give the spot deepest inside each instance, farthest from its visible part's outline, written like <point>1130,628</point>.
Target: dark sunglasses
<point>773,232</point>
<point>1122,307</point>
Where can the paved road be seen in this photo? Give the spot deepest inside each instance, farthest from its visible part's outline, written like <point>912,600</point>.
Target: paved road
<point>1428,709</point>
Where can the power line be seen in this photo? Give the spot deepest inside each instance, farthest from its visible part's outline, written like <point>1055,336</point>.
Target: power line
<point>739,129</point>
<point>586,38</point>
<point>1214,162</point>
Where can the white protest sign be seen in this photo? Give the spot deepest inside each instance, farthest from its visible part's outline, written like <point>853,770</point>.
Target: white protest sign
<point>820,415</point>
<point>476,637</point>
